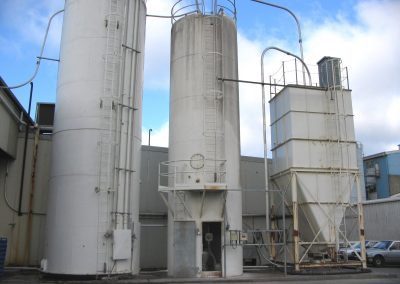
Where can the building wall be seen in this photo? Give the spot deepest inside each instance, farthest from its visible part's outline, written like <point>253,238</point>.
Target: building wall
<point>394,173</point>
<point>9,133</point>
<point>381,220</point>
<point>9,126</point>
<point>25,233</point>
<point>153,212</point>
<point>383,170</point>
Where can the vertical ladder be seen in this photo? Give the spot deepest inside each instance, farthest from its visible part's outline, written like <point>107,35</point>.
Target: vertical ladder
<point>213,97</point>
<point>108,103</point>
<point>336,148</point>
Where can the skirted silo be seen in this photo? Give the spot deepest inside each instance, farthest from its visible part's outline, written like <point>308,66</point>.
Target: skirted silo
<point>201,178</point>
<point>92,220</point>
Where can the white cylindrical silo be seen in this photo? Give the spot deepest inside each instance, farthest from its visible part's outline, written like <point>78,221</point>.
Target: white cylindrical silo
<point>92,220</point>
<point>204,148</point>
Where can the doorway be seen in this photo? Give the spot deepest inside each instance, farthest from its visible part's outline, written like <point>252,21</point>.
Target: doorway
<point>211,257</point>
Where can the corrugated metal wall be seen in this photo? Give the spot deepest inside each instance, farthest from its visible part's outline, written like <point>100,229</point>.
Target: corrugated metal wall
<point>24,247</point>
<point>381,220</point>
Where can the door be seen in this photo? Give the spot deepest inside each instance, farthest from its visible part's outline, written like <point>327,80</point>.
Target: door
<point>212,248</point>
<point>184,249</point>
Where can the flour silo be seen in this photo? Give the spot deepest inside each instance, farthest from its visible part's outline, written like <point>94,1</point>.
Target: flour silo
<point>201,180</point>
<point>314,162</point>
<point>92,220</point>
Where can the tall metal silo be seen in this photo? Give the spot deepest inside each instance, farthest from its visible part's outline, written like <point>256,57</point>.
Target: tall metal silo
<point>201,180</point>
<point>92,220</point>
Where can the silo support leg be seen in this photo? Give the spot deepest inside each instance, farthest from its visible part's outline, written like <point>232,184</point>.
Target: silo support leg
<point>361,225</point>
<point>296,237</point>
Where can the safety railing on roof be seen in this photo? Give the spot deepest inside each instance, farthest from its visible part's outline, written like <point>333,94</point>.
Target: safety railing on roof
<point>290,73</point>
<point>183,8</point>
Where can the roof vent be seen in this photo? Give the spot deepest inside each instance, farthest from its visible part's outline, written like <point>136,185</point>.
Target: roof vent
<point>45,116</point>
<point>329,72</point>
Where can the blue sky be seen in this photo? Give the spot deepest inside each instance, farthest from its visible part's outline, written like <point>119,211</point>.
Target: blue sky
<point>363,33</point>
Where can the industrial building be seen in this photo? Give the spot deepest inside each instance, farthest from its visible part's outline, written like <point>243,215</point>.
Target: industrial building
<point>82,196</point>
<point>382,174</point>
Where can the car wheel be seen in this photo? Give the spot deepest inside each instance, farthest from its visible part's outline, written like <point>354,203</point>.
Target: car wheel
<point>378,261</point>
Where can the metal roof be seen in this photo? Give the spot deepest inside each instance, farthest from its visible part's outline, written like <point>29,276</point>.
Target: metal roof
<point>15,101</point>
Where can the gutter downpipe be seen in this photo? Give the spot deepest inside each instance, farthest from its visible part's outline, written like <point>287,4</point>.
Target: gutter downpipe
<point>298,29</point>
<point>21,188</point>
<point>267,215</point>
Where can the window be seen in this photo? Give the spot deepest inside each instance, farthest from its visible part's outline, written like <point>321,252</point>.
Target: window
<point>395,246</point>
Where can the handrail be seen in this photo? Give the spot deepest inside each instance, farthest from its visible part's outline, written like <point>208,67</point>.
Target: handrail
<point>173,171</point>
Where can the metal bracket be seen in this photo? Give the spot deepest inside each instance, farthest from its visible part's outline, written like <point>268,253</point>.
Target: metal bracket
<point>131,48</point>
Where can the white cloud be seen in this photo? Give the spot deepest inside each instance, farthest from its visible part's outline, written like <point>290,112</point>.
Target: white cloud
<point>28,19</point>
<point>158,137</point>
<point>251,122</point>
<point>158,34</point>
<point>369,48</point>
<point>251,118</point>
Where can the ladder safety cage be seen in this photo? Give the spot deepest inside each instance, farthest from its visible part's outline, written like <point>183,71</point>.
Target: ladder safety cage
<point>183,8</point>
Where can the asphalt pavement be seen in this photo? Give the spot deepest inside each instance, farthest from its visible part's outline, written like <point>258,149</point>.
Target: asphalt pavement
<point>383,275</point>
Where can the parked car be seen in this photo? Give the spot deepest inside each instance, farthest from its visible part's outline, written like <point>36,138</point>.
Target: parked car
<point>354,249</point>
<point>384,252</point>
<point>346,251</point>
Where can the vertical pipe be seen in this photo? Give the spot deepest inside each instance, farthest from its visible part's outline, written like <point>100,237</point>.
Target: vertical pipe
<point>298,31</point>
<point>296,237</point>
<point>283,71</point>
<point>267,217</point>
<point>224,242</point>
<point>150,130</point>
<point>295,69</point>
<point>347,77</point>
<point>270,87</point>
<point>21,188</point>
<point>284,230</point>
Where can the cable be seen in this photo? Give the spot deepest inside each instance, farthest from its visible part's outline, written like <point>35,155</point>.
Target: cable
<point>39,57</point>
<point>5,191</point>
<point>8,202</point>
